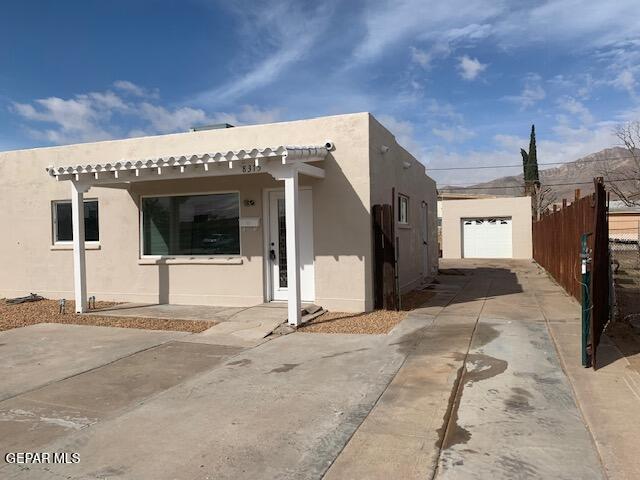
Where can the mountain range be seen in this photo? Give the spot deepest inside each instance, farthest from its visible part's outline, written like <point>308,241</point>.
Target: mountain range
<point>564,179</point>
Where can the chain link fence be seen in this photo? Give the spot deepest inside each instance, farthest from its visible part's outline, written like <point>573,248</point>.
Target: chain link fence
<point>625,262</point>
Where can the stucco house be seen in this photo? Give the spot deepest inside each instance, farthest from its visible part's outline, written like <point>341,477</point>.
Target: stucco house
<point>232,216</point>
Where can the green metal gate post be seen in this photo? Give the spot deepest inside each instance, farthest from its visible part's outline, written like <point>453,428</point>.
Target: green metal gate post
<point>586,300</point>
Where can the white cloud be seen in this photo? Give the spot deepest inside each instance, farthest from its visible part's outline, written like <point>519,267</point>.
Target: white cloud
<point>104,115</point>
<point>421,57</point>
<point>163,120</point>
<point>247,115</point>
<point>576,108</point>
<point>510,142</point>
<point>457,134</point>
<point>473,31</point>
<point>426,57</point>
<point>251,114</point>
<point>389,22</point>
<point>597,25</point>
<point>440,109</point>
<point>626,81</point>
<point>131,88</point>
<point>584,25</point>
<point>75,119</point>
<point>470,68</point>
<point>403,131</point>
<point>286,34</point>
<point>531,93</point>
<point>580,85</point>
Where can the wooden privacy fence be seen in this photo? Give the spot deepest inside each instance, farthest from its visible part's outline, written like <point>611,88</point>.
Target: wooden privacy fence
<point>556,242</point>
<point>557,248</point>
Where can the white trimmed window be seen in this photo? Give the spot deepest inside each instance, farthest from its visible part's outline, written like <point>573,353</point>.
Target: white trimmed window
<point>403,209</point>
<point>63,226</point>
<point>191,225</point>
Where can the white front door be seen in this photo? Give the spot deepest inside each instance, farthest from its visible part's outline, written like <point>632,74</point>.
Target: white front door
<point>278,246</point>
<point>486,238</point>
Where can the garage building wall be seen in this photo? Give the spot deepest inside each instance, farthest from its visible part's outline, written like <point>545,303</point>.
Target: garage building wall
<point>518,208</point>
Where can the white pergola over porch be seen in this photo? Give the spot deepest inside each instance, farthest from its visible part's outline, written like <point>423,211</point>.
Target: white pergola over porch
<point>284,163</point>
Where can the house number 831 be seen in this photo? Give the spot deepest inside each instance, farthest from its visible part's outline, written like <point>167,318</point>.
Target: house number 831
<point>251,168</point>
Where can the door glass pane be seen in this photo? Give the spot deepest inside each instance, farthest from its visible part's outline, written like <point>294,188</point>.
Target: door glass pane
<point>282,244</point>
<point>192,225</point>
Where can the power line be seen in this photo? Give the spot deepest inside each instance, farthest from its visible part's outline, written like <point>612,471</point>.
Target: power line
<point>521,166</point>
<point>544,185</point>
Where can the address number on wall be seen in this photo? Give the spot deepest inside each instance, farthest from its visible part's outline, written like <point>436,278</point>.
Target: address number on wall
<point>251,168</point>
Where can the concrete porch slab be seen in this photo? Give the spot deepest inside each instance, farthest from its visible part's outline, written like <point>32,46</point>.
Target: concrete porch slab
<point>170,311</point>
<point>235,326</point>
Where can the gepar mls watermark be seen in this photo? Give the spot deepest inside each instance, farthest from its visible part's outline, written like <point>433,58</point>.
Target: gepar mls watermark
<point>42,457</point>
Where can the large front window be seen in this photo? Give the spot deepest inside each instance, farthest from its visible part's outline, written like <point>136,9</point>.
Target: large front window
<point>191,225</point>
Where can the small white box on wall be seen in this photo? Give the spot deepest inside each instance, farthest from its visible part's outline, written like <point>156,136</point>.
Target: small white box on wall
<point>250,222</point>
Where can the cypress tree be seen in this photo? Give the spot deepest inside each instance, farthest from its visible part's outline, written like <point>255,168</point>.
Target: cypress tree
<point>534,175</point>
<point>525,162</point>
<point>530,164</point>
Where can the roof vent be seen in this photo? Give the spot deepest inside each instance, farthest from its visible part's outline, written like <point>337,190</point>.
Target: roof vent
<point>215,126</point>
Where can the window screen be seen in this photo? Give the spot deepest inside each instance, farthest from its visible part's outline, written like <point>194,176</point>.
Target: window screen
<point>191,225</point>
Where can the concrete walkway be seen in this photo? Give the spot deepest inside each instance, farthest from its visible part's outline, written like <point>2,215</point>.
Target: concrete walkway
<point>481,393</point>
<point>272,311</point>
<point>609,397</point>
<point>235,326</point>
<point>514,415</point>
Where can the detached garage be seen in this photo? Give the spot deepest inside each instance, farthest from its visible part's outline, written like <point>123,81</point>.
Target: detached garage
<point>487,228</point>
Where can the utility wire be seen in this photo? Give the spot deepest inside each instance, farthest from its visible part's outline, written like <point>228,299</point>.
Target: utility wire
<point>543,184</point>
<point>479,184</point>
<point>521,166</point>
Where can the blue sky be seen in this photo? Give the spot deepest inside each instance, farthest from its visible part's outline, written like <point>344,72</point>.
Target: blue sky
<point>458,82</point>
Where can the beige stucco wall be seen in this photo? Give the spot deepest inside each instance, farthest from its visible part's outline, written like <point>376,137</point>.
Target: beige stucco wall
<point>518,208</point>
<point>398,168</point>
<point>341,202</point>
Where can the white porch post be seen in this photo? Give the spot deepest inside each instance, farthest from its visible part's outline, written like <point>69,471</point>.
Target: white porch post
<point>79,266</point>
<point>292,212</point>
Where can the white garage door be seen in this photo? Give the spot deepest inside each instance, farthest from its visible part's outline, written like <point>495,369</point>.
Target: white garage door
<point>486,238</point>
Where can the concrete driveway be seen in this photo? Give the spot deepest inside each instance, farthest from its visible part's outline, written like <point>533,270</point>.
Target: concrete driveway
<point>140,404</point>
<point>469,386</point>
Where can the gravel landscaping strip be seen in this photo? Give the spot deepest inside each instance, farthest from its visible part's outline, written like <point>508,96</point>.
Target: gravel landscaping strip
<point>378,322</point>
<point>47,311</point>
<point>374,323</point>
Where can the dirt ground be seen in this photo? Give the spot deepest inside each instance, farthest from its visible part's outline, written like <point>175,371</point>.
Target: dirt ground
<point>377,322</point>
<point>47,311</point>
